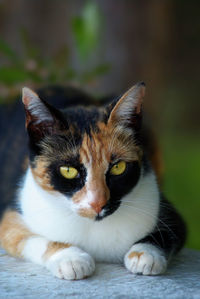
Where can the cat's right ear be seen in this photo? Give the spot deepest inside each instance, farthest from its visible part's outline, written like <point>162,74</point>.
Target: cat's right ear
<point>127,111</point>
<point>41,118</point>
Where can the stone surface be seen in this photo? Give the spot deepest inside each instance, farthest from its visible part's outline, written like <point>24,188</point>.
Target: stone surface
<point>19,279</point>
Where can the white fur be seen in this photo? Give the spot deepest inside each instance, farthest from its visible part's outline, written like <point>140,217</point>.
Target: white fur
<point>71,263</point>
<point>151,261</point>
<point>34,249</point>
<point>51,215</point>
<point>85,202</point>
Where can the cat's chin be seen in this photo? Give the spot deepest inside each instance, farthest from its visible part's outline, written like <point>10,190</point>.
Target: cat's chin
<point>91,214</point>
<point>100,217</point>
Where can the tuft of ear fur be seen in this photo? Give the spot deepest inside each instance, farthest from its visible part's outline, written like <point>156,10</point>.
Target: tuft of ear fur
<point>36,110</point>
<point>41,118</point>
<point>129,107</point>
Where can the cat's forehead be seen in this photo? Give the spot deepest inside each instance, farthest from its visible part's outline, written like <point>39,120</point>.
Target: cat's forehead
<point>107,145</point>
<point>84,119</point>
<point>101,145</point>
<point>94,149</point>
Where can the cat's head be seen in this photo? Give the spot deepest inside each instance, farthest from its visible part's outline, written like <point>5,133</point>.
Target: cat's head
<point>90,155</point>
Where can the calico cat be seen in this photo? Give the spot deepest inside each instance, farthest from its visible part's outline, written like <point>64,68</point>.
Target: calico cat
<point>90,192</point>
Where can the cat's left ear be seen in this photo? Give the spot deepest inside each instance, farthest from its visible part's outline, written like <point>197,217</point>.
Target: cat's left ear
<point>128,109</point>
<point>41,118</point>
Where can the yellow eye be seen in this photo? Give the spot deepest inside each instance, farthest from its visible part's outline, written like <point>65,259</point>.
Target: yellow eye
<point>69,172</point>
<point>118,168</point>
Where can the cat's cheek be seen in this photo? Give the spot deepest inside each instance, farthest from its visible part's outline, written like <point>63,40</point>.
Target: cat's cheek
<point>83,210</point>
<point>87,213</point>
<point>71,263</point>
<point>145,259</point>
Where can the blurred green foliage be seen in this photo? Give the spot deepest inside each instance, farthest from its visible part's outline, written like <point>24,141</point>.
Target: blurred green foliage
<point>86,29</point>
<point>181,183</point>
<point>35,69</point>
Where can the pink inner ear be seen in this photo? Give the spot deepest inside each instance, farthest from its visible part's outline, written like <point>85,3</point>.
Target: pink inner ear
<point>36,110</point>
<point>26,100</point>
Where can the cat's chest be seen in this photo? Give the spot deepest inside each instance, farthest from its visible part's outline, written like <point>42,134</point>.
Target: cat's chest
<point>106,240</point>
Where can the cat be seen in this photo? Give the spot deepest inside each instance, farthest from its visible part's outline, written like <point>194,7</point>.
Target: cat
<point>91,192</point>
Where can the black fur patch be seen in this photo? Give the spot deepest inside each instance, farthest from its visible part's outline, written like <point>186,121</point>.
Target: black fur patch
<point>146,165</point>
<point>63,185</point>
<point>83,119</point>
<point>120,185</point>
<point>170,232</point>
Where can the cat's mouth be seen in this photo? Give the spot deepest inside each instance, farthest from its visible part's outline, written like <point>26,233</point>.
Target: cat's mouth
<point>106,211</point>
<point>91,214</point>
<point>100,215</point>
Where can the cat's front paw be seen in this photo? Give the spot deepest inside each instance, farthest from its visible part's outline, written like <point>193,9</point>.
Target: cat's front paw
<point>71,263</point>
<point>145,259</point>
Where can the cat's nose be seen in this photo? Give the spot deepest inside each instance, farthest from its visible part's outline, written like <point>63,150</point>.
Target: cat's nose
<point>99,202</point>
<point>96,207</point>
<point>98,198</point>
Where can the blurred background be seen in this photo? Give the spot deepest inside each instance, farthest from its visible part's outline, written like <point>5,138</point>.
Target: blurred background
<point>105,47</point>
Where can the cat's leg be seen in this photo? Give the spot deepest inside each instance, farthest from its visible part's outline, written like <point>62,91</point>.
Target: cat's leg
<point>151,255</point>
<point>68,262</point>
<point>63,260</point>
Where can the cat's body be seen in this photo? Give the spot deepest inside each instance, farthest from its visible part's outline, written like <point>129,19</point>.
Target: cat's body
<point>90,192</point>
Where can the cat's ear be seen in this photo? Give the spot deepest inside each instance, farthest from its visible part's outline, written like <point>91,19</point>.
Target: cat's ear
<point>128,109</point>
<point>41,118</point>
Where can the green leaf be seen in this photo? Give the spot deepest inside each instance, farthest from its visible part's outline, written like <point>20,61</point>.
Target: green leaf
<point>99,70</point>
<point>11,75</point>
<point>2,100</point>
<point>61,57</point>
<point>7,50</point>
<point>30,50</point>
<point>86,29</point>
<point>70,74</point>
<point>102,69</point>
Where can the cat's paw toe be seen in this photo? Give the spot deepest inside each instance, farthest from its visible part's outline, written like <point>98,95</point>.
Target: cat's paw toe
<point>71,263</point>
<point>145,259</point>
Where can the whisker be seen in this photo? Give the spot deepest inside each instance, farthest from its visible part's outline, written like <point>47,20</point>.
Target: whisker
<point>164,205</point>
<point>127,213</point>
<point>149,214</point>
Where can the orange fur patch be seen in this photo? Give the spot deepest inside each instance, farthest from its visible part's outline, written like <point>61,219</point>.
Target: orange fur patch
<point>118,140</point>
<point>135,254</point>
<point>41,176</point>
<point>13,233</point>
<point>88,213</point>
<point>79,194</point>
<point>53,247</point>
<point>96,153</point>
<point>93,156</point>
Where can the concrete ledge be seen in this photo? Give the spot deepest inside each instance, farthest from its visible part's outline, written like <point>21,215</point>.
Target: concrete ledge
<point>19,279</point>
